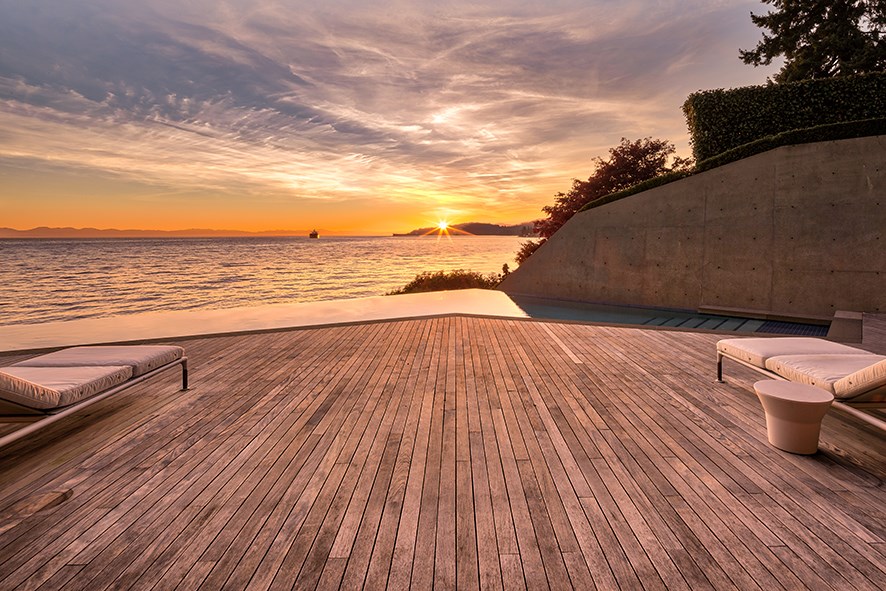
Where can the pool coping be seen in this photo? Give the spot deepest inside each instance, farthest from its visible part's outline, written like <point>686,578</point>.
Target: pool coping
<point>215,322</point>
<point>177,324</point>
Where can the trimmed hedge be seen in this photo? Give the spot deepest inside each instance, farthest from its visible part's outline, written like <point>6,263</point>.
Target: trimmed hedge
<point>721,120</point>
<point>821,133</point>
<point>664,179</point>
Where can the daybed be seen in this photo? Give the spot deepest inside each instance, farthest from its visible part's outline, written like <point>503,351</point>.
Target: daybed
<point>44,389</point>
<point>855,377</point>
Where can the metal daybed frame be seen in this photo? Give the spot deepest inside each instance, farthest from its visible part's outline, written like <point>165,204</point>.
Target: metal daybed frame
<point>847,407</point>
<point>10,412</point>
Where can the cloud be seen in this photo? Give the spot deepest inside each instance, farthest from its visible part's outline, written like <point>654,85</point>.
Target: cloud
<point>399,101</point>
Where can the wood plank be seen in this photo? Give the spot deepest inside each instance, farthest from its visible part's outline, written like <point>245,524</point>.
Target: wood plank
<point>467,567</point>
<point>400,572</point>
<point>488,403</point>
<point>150,487</point>
<point>404,429</point>
<point>242,515</point>
<point>238,488</point>
<point>424,547</point>
<point>301,463</point>
<point>369,454</point>
<point>457,451</point>
<point>445,567</point>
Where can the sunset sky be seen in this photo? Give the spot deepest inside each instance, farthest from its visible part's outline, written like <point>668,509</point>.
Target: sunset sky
<point>356,117</point>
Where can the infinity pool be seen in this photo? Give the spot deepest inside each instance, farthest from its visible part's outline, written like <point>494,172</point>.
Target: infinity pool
<point>182,323</point>
<point>581,312</point>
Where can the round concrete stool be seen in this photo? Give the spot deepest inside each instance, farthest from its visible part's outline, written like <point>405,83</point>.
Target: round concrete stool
<point>793,414</point>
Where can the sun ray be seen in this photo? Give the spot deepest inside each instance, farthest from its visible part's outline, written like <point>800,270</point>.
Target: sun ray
<point>444,228</point>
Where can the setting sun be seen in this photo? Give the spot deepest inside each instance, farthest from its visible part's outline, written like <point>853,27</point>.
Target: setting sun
<point>442,226</point>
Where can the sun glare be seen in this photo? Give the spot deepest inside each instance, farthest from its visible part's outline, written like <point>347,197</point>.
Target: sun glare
<point>444,228</point>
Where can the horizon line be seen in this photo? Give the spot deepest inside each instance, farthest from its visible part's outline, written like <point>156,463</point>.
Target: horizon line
<point>93,232</point>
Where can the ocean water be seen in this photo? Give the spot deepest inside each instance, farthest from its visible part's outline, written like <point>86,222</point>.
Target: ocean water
<point>51,280</point>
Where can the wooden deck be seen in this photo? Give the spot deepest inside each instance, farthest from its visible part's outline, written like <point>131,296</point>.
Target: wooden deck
<point>442,453</point>
<point>874,333</point>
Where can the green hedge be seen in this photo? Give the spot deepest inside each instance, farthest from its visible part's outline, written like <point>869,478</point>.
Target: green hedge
<point>821,133</point>
<point>721,120</point>
<point>664,179</point>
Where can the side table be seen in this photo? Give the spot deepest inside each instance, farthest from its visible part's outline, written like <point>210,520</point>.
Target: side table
<point>793,414</point>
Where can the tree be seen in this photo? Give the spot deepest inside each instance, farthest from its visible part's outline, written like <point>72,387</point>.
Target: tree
<point>527,248</point>
<point>821,38</point>
<point>629,163</point>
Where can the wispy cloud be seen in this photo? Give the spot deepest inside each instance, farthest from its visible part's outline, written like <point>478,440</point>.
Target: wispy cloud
<point>461,105</point>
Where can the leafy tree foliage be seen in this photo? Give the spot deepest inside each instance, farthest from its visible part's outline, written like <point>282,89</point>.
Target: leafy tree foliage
<point>821,38</point>
<point>629,163</point>
<point>527,248</point>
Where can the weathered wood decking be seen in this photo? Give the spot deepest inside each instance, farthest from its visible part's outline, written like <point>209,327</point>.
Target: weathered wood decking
<point>450,452</point>
<point>874,333</point>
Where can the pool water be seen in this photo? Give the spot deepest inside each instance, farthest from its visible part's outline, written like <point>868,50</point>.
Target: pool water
<point>483,302</point>
<point>582,312</point>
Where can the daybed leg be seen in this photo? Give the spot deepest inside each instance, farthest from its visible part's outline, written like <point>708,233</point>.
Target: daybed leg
<point>719,368</point>
<point>185,373</point>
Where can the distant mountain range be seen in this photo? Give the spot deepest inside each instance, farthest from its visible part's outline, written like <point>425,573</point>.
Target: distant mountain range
<point>44,232</point>
<point>478,229</point>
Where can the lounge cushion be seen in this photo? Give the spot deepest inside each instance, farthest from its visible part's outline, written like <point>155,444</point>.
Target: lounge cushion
<point>142,358</point>
<point>825,371</point>
<point>47,388</point>
<point>864,381</point>
<point>757,350</point>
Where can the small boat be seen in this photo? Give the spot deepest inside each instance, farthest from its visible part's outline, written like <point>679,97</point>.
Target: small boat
<point>313,234</point>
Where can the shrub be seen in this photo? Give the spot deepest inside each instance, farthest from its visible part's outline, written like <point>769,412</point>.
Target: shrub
<point>664,179</point>
<point>527,248</point>
<point>720,120</point>
<point>629,163</point>
<point>821,133</point>
<point>443,280</point>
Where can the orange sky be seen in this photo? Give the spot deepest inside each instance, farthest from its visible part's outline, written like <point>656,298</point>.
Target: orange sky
<point>358,118</point>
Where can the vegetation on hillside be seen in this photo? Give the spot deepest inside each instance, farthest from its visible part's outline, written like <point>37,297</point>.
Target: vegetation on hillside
<point>840,41</point>
<point>821,38</point>
<point>820,133</point>
<point>629,163</point>
<point>475,229</point>
<point>446,280</point>
<point>721,120</point>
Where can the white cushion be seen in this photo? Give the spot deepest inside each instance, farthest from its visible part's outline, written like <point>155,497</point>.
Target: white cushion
<point>864,381</point>
<point>823,371</point>
<point>142,358</point>
<point>757,350</point>
<point>52,387</point>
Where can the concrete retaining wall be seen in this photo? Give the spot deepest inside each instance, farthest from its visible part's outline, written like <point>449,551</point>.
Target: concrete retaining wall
<point>796,231</point>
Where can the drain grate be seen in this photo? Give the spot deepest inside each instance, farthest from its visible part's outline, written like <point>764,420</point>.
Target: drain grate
<point>809,330</point>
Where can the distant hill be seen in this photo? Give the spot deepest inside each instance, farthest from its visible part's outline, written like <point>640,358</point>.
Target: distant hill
<point>45,232</point>
<point>476,228</point>
<point>479,229</point>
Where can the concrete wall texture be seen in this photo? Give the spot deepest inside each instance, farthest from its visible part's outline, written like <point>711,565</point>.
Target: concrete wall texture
<point>796,231</point>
